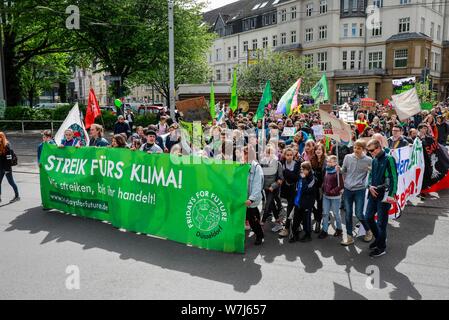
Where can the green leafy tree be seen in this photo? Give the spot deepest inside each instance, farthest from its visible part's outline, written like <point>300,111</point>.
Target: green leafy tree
<point>192,42</point>
<point>282,69</point>
<point>425,93</point>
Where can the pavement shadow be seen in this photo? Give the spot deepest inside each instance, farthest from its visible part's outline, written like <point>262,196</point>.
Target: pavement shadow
<point>235,269</point>
<point>238,270</point>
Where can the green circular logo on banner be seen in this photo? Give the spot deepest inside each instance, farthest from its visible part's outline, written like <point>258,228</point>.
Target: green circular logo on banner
<point>206,213</point>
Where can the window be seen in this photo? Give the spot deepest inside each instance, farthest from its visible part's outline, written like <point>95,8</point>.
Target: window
<point>253,23</point>
<point>439,32</point>
<point>235,51</point>
<point>218,75</point>
<point>404,25</point>
<point>345,5</point>
<point>293,34</point>
<point>245,25</point>
<point>229,53</point>
<point>245,46</point>
<point>377,32</point>
<point>275,41</point>
<point>309,9</point>
<point>405,1</point>
<point>378,3</point>
<point>309,34</point>
<point>284,15</point>
<point>266,20</point>
<point>254,44</point>
<point>375,60</point>
<point>283,38</point>
<point>361,29</point>
<point>436,61</point>
<point>422,28</point>
<point>360,59</point>
<point>345,30</point>
<point>273,18</point>
<point>355,5</point>
<point>344,58</point>
<point>354,30</point>
<point>229,74</point>
<point>401,58</point>
<point>218,55</point>
<point>293,12</point>
<point>322,61</point>
<point>432,29</point>
<point>323,6</point>
<point>265,42</point>
<point>352,66</point>
<point>323,32</point>
<point>308,61</point>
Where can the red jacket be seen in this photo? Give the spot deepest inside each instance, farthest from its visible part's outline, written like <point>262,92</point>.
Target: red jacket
<point>330,184</point>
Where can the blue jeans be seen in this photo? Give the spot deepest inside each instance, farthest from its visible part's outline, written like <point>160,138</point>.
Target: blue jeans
<point>10,179</point>
<point>379,228</point>
<point>357,197</point>
<point>328,206</point>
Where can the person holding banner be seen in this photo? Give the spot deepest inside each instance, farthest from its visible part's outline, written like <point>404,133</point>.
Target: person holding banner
<point>70,140</point>
<point>96,133</point>
<point>397,140</point>
<point>355,171</point>
<point>151,146</point>
<point>255,184</point>
<point>382,184</point>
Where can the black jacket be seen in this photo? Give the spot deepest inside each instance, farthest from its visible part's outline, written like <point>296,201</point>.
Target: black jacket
<point>5,164</point>
<point>122,128</point>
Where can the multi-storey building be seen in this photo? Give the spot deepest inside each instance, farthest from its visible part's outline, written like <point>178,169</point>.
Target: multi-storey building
<point>360,50</point>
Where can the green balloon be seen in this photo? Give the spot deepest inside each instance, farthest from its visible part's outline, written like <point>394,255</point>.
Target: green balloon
<point>118,103</point>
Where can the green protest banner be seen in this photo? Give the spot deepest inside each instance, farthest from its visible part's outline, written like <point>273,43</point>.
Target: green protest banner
<point>162,195</point>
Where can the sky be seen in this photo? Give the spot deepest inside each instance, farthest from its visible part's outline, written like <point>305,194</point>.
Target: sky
<point>214,4</point>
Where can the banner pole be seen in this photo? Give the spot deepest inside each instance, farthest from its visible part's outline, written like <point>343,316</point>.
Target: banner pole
<point>338,163</point>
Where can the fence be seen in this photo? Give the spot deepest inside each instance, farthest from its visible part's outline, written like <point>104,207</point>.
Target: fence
<point>51,122</point>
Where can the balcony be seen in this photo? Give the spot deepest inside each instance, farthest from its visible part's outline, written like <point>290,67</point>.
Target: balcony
<point>359,73</point>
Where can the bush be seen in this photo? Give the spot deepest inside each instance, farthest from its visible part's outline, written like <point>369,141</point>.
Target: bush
<point>145,120</point>
<point>107,120</point>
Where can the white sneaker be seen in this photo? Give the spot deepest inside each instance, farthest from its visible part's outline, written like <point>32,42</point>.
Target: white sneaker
<point>283,233</point>
<point>247,227</point>
<point>277,228</point>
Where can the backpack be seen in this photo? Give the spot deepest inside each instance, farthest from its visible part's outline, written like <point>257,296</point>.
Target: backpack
<point>12,158</point>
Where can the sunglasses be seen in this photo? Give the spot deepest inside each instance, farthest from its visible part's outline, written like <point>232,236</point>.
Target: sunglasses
<point>371,150</point>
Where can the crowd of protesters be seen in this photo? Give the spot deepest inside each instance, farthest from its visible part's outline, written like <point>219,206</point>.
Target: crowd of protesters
<point>303,183</point>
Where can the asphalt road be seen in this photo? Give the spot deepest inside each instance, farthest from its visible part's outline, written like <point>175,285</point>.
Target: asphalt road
<point>37,247</point>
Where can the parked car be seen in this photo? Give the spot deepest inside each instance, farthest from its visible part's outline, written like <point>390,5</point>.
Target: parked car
<point>109,109</point>
<point>144,109</point>
<point>50,105</point>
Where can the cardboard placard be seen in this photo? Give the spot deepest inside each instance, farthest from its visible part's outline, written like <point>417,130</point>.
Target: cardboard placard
<point>195,109</point>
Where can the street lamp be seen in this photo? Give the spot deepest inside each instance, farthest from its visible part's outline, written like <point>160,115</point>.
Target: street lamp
<point>171,57</point>
<point>2,68</point>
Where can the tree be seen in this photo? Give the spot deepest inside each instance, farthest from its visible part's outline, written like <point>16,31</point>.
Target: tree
<point>282,69</point>
<point>192,42</point>
<point>425,92</point>
<point>41,73</point>
<point>28,31</point>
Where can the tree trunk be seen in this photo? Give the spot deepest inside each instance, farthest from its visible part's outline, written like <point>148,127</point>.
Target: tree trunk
<point>63,92</point>
<point>11,72</point>
<point>31,97</point>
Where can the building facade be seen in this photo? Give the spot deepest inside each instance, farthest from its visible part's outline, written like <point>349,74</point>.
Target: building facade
<point>362,45</point>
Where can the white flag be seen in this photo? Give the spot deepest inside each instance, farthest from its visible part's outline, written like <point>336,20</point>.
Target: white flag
<point>73,121</point>
<point>407,104</point>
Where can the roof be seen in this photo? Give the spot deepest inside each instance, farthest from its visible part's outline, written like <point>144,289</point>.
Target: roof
<point>408,36</point>
<point>241,9</point>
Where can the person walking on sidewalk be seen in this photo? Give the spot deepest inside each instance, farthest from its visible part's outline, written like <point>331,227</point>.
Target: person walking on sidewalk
<point>255,184</point>
<point>356,167</point>
<point>6,155</point>
<point>332,190</point>
<point>383,182</point>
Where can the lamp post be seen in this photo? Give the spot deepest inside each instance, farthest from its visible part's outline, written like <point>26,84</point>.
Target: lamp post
<point>171,48</point>
<point>2,68</point>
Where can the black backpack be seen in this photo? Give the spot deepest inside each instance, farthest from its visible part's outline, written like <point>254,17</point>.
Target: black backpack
<point>12,157</point>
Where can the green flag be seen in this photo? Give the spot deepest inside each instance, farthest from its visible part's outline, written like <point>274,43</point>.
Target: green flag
<point>266,99</point>
<point>426,106</point>
<point>320,92</point>
<point>234,99</point>
<point>212,101</point>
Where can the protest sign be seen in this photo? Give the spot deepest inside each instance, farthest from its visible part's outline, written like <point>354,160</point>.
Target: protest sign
<point>289,132</point>
<point>347,116</point>
<point>407,104</point>
<point>318,132</point>
<point>151,194</point>
<point>436,158</point>
<point>195,109</point>
<point>335,129</point>
<point>410,169</point>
